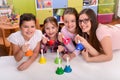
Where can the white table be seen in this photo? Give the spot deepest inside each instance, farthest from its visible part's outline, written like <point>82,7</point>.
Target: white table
<point>81,70</point>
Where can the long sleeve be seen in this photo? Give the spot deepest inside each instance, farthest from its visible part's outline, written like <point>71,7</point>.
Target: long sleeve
<point>70,46</point>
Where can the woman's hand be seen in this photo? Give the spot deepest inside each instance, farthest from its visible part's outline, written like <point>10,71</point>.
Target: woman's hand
<point>82,40</point>
<point>85,55</point>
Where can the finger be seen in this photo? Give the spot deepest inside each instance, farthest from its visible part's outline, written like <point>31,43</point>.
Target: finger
<point>20,68</point>
<point>66,55</point>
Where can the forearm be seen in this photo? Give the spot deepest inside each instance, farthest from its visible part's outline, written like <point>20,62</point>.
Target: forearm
<point>33,57</point>
<point>92,51</point>
<point>19,55</point>
<point>99,58</point>
<point>70,46</point>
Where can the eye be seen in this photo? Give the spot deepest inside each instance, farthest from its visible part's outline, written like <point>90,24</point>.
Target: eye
<point>53,27</point>
<point>25,26</point>
<point>32,26</point>
<point>65,21</point>
<point>73,21</point>
<point>46,28</point>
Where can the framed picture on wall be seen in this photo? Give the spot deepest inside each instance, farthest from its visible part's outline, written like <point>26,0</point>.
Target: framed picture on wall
<point>40,4</point>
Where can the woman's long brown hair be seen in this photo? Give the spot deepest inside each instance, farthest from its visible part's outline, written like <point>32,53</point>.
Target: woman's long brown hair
<point>92,38</point>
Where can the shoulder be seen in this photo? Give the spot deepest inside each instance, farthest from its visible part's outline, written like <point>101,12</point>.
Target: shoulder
<point>16,34</point>
<point>38,34</point>
<point>66,33</point>
<point>15,37</point>
<point>102,31</point>
<point>102,28</point>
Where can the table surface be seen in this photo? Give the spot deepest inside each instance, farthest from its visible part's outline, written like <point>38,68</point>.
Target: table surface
<point>81,70</point>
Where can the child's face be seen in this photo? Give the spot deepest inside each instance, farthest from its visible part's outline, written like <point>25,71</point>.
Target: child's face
<point>70,22</point>
<point>51,30</point>
<point>28,29</point>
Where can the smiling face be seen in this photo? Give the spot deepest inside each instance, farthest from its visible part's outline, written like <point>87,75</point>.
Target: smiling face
<point>84,23</point>
<point>70,22</point>
<point>28,29</point>
<point>51,30</point>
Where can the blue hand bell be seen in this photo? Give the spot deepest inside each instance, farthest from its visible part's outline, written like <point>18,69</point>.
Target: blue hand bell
<point>79,46</point>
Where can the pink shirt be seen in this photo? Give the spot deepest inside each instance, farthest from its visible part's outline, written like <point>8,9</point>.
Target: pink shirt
<point>112,31</point>
<point>71,47</point>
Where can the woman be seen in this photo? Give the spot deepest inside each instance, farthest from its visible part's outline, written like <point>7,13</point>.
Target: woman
<point>99,39</point>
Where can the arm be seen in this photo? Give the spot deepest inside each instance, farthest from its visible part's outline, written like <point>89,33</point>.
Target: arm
<point>35,53</point>
<point>92,51</point>
<point>72,52</point>
<point>106,56</point>
<point>31,59</point>
<point>17,52</point>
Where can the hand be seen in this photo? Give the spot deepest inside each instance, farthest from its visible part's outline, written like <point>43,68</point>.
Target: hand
<point>70,55</point>
<point>61,48</point>
<point>45,40</point>
<point>23,66</point>
<point>25,47</point>
<point>83,41</point>
<point>60,36</point>
<point>85,55</point>
<point>65,57</point>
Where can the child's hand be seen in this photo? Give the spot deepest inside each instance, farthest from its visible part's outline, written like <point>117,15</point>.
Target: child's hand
<point>45,40</point>
<point>65,57</point>
<point>23,66</point>
<point>70,55</point>
<point>61,48</point>
<point>60,36</point>
<point>25,47</point>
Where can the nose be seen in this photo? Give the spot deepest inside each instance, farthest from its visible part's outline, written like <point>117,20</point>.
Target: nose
<point>82,23</point>
<point>29,28</point>
<point>50,30</point>
<point>69,23</point>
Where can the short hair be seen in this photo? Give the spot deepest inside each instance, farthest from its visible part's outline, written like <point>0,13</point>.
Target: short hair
<point>26,17</point>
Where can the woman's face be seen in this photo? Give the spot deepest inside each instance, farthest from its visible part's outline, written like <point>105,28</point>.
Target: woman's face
<point>28,28</point>
<point>70,22</point>
<point>51,30</point>
<point>84,23</point>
